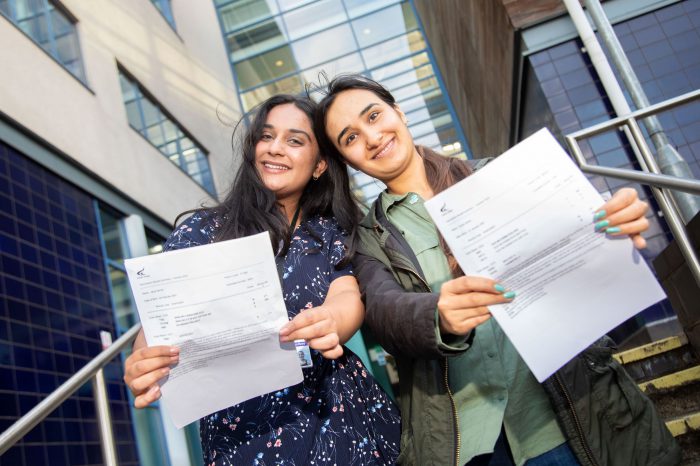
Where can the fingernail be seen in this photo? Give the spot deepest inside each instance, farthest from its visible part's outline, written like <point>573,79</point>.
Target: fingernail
<point>155,389</point>
<point>284,330</point>
<point>500,288</point>
<point>602,224</point>
<point>174,350</point>
<point>509,295</point>
<point>174,358</point>
<point>598,215</point>
<point>165,371</point>
<point>612,230</point>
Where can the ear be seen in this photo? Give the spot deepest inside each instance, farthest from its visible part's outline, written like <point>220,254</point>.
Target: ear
<point>321,167</point>
<point>401,114</point>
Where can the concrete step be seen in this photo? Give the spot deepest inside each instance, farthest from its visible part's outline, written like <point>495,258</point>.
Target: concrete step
<point>658,358</point>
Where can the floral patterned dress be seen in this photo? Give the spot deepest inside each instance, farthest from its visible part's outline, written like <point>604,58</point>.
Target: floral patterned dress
<point>338,415</point>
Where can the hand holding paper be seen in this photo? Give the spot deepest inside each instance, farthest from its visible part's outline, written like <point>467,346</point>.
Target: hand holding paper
<point>526,220</point>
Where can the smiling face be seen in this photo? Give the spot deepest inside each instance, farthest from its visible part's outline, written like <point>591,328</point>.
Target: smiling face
<point>287,155</point>
<point>370,134</point>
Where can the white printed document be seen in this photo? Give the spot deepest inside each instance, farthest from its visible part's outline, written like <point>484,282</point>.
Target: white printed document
<point>222,305</point>
<point>526,220</point>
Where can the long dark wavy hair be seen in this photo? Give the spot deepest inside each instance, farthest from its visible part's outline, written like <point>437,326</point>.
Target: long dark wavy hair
<point>251,208</point>
<point>442,172</point>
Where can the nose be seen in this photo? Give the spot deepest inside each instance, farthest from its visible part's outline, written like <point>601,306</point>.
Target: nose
<point>373,139</point>
<point>275,147</point>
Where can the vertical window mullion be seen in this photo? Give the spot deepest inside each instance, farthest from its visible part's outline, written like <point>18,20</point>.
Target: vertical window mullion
<point>53,47</point>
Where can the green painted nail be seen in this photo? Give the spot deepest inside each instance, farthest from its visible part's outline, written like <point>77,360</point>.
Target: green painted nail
<point>601,224</point>
<point>509,295</point>
<point>598,215</point>
<point>612,230</point>
<point>499,288</point>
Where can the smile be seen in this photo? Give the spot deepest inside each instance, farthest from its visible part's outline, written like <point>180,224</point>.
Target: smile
<point>385,150</point>
<point>275,166</point>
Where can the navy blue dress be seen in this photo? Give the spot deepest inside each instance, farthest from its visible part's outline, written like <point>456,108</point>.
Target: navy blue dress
<point>338,415</point>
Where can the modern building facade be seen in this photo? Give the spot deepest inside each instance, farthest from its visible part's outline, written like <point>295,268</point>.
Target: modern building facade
<point>294,45</point>
<point>111,124</point>
<point>514,67</point>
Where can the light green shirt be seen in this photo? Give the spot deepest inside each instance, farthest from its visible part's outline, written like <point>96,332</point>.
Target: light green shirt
<point>491,385</point>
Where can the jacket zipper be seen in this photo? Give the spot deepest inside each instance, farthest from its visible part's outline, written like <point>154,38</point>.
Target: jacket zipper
<point>455,419</point>
<point>579,428</point>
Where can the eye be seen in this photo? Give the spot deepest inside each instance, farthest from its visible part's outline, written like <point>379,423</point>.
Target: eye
<point>350,139</point>
<point>296,141</point>
<point>373,116</point>
<point>265,137</point>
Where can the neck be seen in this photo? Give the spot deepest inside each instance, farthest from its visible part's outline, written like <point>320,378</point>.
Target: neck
<point>289,207</point>
<point>412,179</point>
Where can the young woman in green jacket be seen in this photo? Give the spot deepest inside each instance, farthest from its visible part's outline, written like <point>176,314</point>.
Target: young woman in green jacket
<point>466,396</point>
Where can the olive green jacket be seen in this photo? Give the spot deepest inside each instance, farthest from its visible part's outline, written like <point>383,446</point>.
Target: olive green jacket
<point>605,417</point>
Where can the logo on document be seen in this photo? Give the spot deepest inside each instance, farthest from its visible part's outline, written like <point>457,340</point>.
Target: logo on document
<point>444,210</point>
<point>142,274</point>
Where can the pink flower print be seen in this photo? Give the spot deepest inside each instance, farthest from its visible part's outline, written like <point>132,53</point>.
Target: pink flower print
<point>335,409</point>
<point>342,408</point>
<point>279,430</point>
<point>358,363</point>
<point>278,443</point>
<point>364,373</point>
<point>238,419</point>
<point>225,421</point>
<point>269,444</point>
<point>308,305</point>
<point>307,399</point>
<point>233,426</point>
<point>300,395</point>
<point>376,453</point>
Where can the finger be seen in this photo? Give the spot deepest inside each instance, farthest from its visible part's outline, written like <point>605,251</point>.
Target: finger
<point>153,394</point>
<point>630,213</point>
<point>334,353</point>
<point>620,200</point>
<point>317,330</point>
<point>468,283</point>
<point>461,323</point>
<point>629,228</point>
<point>301,320</point>
<point>639,241</point>
<point>138,385</point>
<point>145,366</point>
<point>155,351</point>
<point>473,300</point>
<point>325,343</point>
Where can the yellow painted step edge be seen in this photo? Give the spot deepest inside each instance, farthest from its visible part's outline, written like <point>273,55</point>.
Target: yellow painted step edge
<point>673,380</point>
<point>684,424</point>
<point>651,349</point>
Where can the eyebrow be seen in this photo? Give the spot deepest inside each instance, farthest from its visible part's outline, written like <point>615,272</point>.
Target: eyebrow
<point>364,110</point>
<point>291,130</point>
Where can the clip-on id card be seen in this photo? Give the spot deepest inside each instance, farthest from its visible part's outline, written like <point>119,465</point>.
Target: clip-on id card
<point>304,353</point>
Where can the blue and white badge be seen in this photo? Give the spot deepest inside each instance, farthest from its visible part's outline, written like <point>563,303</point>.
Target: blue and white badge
<point>304,353</point>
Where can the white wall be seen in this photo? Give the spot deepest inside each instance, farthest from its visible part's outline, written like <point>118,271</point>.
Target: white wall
<point>186,70</point>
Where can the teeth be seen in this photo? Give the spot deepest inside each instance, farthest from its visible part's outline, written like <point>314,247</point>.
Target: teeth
<point>276,167</point>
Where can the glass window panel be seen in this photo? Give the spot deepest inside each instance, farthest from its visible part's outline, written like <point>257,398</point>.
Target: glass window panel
<point>408,78</point>
<point>401,66</point>
<point>5,7</point>
<point>151,114</point>
<point>429,88</point>
<point>154,242</point>
<point>324,46</point>
<point>185,144</point>
<point>426,127</point>
<point>67,48</point>
<point>170,131</point>
<point>289,4</point>
<point>128,88</point>
<point>241,13</point>
<point>382,25</point>
<point>37,27</point>
<point>404,45</point>
<point>121,298</point>
<point>170,150</point>
<point>265,67</point>
<point>133,114</point>
<point>155,134</point>
<point>289,85</point>
<point>60,24</point>
<point>361,7</point>
<point>111,233</point>
<point>325,14</point>
<point>256,39</point>
<point>348,64</point>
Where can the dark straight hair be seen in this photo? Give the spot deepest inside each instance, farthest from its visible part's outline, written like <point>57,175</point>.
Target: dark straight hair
<point>441,172</point>
<point>251,208</point>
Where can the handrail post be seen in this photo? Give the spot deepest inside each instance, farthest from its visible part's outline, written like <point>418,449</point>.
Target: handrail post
<point>104,419</point>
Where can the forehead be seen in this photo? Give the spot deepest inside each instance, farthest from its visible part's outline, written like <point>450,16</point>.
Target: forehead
<point>347,105</point>
<point>287,116</point>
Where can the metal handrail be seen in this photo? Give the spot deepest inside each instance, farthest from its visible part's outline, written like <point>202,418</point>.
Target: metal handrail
<point>92,369</point>
<point>650,174</point>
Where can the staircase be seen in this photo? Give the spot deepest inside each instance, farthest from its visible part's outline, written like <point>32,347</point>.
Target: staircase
<point>669,373</point>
